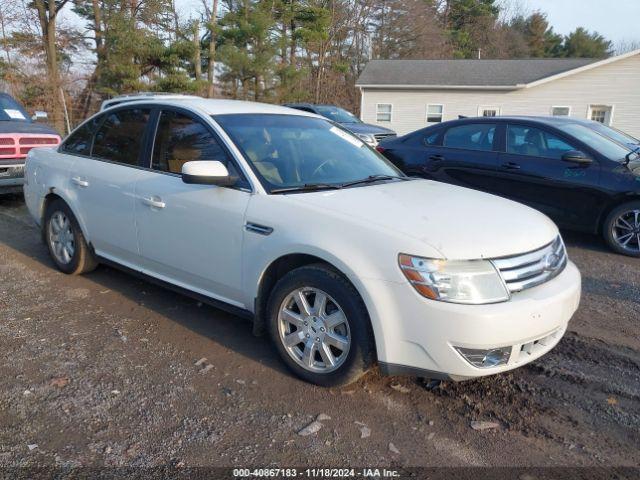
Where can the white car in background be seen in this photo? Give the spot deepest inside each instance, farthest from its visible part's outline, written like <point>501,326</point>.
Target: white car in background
<point>284,217</point>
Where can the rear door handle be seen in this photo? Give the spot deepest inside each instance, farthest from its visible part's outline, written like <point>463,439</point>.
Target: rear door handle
<point>511,166</point>
<point>436,158</point>
<point>80,182</point>
<point>155,202</point>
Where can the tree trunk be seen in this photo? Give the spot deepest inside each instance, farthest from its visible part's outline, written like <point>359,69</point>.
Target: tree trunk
<point>212,51</point>
<point>197,61</point>
<point>7,53</point>
<point>47,16</point>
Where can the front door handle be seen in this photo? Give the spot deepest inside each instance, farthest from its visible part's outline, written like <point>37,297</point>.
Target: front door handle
<point>80,182</point>
<point>155,202</point>
<point>511,166</point>
<point>436,158</point>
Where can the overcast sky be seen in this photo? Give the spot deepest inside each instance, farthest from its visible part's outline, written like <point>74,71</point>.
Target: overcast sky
<point>617,20</point>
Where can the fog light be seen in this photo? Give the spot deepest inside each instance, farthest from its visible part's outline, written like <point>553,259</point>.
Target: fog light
<point>486,358</point>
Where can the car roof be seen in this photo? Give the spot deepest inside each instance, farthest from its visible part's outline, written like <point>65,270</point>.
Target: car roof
<point>210,106</point>
<point>539,120</point>
<point>304,104</point>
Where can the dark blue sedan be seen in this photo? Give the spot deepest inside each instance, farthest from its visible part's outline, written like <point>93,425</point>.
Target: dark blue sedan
<point>563,167</point>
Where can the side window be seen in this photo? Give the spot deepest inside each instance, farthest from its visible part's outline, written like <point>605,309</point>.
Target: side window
<point>180,139</point>
<point>119,139</point>
<point>523,140</point>
<point>471,137</point>
<point>431,139</point>
<point>79,142</point>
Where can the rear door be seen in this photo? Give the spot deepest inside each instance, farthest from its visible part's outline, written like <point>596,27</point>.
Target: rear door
<point>103,182</point>
<point>466,156</point>
<point>191,235</point>
<point>532,171</point>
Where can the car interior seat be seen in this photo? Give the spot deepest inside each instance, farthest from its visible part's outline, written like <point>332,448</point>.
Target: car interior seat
<point>533,143</point>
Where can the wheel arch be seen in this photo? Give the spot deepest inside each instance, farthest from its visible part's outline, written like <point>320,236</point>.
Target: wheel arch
<point>631,197</point>
<point>54,194</point>
<point>282,265</point>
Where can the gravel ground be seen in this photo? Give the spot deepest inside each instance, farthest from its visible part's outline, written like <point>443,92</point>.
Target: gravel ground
<point>108,370</point>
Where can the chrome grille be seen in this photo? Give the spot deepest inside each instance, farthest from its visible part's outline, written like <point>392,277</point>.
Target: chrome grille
<point>520,272</point>
<point>381,136</point>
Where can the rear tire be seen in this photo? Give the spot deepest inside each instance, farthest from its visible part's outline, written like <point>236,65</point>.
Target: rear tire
<point>327,341</point>
<point>65,240</point>
<point>621,229</point>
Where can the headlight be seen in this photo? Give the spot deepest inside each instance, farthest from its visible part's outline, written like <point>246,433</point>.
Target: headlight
<point>455,281</point>
<point>366,138</point>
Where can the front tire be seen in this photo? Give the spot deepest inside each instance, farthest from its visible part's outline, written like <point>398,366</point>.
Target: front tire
<point>320,326</point>
<point>67,245</point>
<point>622,229</point>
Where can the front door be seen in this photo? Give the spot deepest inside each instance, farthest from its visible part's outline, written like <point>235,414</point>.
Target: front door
<point>532,171</point>
<point>103,181</point>
<point>191,235</point>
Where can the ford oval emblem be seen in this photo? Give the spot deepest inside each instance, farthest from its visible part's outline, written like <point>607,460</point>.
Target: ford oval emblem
<point>551,262</point>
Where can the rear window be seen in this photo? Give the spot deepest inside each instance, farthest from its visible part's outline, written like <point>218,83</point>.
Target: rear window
<point>119,139</point>
<point>471,137</point>
<point>79,142</point>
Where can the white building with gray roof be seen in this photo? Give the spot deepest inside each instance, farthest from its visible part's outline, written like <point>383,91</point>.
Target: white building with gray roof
<point>406,95</point>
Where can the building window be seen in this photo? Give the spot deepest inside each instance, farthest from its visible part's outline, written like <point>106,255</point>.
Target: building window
<point>601,113</point>
<point>383,112</point>
<point>488,111</point>
<point>560,111</point>
<point>434,113</point>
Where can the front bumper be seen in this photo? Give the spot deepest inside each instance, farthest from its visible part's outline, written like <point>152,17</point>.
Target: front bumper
<point>11,175</point>
<point>419,335</point>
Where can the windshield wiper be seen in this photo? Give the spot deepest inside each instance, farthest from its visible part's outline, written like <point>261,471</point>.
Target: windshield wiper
<point>374,178</point>
<point>627,157</point>
<point>308,187</point>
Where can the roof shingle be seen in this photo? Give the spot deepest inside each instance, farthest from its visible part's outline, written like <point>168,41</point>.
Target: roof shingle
<point>465,73</point>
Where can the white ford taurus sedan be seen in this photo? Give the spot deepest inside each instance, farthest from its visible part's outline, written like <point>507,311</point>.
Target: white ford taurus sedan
<point>286,218</point>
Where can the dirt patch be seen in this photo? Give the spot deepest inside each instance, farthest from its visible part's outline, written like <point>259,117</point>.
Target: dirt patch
<point>107,370</point>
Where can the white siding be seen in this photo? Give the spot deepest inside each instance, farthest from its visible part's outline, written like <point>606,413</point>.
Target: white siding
<point>616,84</point>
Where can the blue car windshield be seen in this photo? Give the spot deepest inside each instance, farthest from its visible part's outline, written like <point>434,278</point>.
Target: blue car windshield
<point>607,147</point>
<point>12,111</point>
<point>288,151</point>
<point>337,114</point>
<point>614,134</point>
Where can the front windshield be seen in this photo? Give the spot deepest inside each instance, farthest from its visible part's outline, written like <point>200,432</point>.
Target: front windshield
<point>608,148</point>
<point>287,151</point>
<point>338,115</point>
<point>614,134</point>
<point>12,111</point>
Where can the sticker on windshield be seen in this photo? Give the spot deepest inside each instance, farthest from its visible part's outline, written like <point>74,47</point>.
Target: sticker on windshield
<point>14,114</point>
<point>344,135</point>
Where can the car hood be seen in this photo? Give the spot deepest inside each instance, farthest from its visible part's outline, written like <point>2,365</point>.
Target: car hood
<point>366,128</point>
<point>25,127</point>
<point>458,222</point>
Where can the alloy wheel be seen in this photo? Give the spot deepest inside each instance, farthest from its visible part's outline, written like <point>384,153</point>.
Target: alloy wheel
<point>61,239</point>
<point>626,230</point>
<point>314,330</point>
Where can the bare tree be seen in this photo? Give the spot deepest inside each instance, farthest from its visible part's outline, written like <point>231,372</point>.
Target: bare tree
<point>48,15</point>
<point>626,46</point>
<point>211,13</point>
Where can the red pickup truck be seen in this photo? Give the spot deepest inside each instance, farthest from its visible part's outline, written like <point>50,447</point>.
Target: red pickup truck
<point>18,135</point>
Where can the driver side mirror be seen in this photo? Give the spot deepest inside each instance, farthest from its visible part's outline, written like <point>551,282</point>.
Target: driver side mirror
<point>575,156</point>
<point>208,172</point>
<point>39,115</point>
